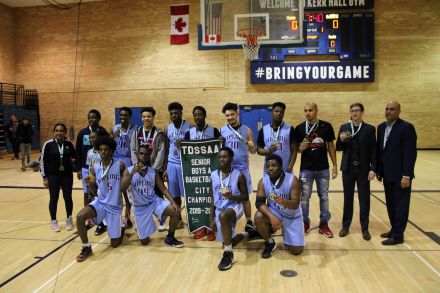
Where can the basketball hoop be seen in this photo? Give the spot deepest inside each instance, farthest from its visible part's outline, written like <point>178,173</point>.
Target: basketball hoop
<point>251,41</point>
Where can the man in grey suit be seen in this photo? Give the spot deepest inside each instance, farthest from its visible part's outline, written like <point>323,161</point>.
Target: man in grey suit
<point>357,140</point>
<point>397,153</point>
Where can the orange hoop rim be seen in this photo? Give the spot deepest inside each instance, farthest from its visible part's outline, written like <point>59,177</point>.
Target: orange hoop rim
<point>247,32</point>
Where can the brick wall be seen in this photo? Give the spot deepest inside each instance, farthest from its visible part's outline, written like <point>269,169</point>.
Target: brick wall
<point>124,58</point>
<point>7,61</point>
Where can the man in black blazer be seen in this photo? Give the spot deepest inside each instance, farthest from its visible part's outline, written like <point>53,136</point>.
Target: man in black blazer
<point>397,153</point>
<point>357,140</point>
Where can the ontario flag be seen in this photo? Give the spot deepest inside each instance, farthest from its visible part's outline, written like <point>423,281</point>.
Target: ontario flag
<point>179,24</point>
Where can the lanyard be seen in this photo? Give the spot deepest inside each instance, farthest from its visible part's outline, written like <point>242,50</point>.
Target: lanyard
<point>353,133</point>
<point>177,132</point>
<point>201,133</point>
<point>274,186</point>
<point>61,150</point>
<point>238,134</point>
<point>150,135</point>
<point>310,130</point>
<point>105,171</point>
<point>275,137</point>
<point>126,131</point>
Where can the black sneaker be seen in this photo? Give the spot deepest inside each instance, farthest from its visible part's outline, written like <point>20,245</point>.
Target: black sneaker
<point>173,242</point>
<point>227,261</point>
<point>250,227</point>
<point>129,224</point>
<point>86,251</point>
<point>100,229</point>
<point>268,249</point>
<point>252,232</point>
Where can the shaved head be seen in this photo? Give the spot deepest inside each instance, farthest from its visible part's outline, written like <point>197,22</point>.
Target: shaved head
<point>312,104</point>
<point>392,111</point>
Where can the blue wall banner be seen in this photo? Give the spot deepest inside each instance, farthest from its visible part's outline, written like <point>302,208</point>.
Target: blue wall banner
<point>312,72</point>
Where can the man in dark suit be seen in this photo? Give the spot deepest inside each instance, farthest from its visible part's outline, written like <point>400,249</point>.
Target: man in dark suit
<point>397,153</point>
<point>357,140</point>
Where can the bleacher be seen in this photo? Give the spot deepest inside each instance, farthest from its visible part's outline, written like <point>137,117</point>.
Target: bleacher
<point>15,100</point>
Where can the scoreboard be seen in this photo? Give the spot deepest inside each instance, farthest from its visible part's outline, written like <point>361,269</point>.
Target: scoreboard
<point>349,35</point>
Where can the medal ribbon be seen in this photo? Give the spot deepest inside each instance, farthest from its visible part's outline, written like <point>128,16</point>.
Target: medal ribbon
<point>238,134</point>
<point>105,171</point>
<point>353,133</point>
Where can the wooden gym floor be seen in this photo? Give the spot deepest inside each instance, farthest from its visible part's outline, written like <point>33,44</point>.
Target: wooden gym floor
<point>33,259</point>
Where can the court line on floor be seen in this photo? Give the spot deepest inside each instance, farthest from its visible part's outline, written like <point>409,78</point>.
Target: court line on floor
<point>414,252</point>
<point>65,269</point>
<point>37,262</point>
<point>30,222</point>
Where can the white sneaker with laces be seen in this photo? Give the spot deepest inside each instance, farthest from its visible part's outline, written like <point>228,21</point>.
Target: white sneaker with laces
<point>54,226</point>
<point>69,223</point>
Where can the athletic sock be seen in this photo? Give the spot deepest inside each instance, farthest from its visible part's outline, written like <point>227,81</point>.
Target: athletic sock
<point>86,244</point>
<point>228,247</point>
<point>270,240</point>
<point>245,234</point>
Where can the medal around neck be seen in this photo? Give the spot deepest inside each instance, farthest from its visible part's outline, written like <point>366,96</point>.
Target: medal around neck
<point>61,168</point>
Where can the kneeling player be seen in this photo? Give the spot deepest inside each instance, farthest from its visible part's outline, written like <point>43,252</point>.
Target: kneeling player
<point>229,191</point>
<point>145,201</point>
<point>278,198</point>
<point>106,178</point>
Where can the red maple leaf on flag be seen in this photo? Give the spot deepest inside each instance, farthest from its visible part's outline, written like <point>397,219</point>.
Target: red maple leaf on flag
<point>179,24</point>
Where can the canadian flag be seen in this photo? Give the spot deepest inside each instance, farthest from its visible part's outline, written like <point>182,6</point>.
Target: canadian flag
<point>212,39</point>
<point>179,24</point>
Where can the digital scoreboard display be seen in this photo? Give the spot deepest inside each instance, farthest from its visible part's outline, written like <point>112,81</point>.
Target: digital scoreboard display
<point>349,35</point>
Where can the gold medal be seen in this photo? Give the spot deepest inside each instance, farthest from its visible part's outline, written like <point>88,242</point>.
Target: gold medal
<point>224,190</point>
<point>61,168</point>
<point>140,166</point>
<point>349,134</point>
<point>245,142</point>
<point>273,196</point>
<point>305,140</point>
<point>91,177</point>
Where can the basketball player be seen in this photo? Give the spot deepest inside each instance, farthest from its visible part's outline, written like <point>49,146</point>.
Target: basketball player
<point>154,138</point>
<point>278,138</point>
<point>240,139</point>
<point>122,134</point>
<point>229,191</point>
<point>174,133</point>
<point>146,203</point>
<point>83,145</point>
<point>105,178</point>
<point>200,132</point>
<point>278,199</point>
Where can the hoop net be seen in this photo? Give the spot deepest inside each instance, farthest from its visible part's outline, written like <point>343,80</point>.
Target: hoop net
<point>251,41</point>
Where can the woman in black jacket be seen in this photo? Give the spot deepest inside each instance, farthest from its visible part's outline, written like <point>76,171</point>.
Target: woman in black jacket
<point>56,159</point>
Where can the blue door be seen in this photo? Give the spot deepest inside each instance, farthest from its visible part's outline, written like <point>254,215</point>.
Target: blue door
<point>136,117</point>
<point>255,116</point>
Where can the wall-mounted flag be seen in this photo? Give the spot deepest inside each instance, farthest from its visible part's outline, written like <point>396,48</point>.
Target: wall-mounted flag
<point>179,24</point>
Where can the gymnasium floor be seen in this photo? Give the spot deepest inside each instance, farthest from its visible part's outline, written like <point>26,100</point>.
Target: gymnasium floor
<point>33,259</point>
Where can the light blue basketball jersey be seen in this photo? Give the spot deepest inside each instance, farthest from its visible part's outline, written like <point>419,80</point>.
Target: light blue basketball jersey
<point>142,187</point>
<point>109,186</point>
<point>283,142</point>
<point>207,133</point>
<point>231,182</point>
<point>283,191</point>
<point>241,150</point>
<point>123,141</point>
<point>174,134</point>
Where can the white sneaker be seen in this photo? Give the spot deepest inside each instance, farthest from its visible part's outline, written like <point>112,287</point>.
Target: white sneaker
<point>162,227</point>
<point>54,226</point>
<point>69,223</point>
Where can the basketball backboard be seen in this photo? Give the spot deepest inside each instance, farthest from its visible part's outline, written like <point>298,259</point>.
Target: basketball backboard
<point>282,20</point>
